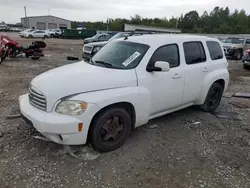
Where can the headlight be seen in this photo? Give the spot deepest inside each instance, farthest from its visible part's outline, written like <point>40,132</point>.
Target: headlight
<point>96,49</point>
<point>72,108</point>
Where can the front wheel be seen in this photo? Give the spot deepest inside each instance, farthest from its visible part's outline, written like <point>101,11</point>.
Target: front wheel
<point>213,98</point>
<point>3,56</point>
<point>110,129</point>
<point>238,55</point>
<point>30,36</point>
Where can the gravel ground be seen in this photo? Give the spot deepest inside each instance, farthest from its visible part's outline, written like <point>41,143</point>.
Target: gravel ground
<point>178,153</point>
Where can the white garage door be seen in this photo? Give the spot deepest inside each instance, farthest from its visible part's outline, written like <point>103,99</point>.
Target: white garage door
<point>52,26</point>
<point>41,25</point>
<point>63,26</point>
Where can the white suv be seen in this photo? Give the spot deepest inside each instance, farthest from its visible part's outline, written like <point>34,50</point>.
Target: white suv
<point>127,83</point>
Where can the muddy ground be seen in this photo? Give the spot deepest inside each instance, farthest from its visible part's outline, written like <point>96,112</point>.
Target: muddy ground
<point>179,153</point>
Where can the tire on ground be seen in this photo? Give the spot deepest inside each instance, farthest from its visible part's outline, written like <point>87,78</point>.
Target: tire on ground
<point>247,67</point>
<point>96,126</point>
<point>207,106</point>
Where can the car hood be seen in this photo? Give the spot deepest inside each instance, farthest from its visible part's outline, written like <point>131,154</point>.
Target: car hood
<point>78,78</point>
<point>231,45</point>
<point>97,44</point>
<point>87,39</point>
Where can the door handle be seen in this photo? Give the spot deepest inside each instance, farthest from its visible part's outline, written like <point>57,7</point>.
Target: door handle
<point>205,69</point>
<point>176,75</point>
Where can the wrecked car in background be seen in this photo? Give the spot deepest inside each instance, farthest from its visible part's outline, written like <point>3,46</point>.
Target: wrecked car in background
<point>90,49</point>
<point>235,46</point>
<point>97,38</point>
<point>246,59</point>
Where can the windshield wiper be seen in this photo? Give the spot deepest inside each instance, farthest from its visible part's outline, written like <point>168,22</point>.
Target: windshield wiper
<point>104,63</point>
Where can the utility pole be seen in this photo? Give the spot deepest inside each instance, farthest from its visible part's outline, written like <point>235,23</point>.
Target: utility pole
<point>49,12</point>
<point>25,12</point>
<point>25,24</point>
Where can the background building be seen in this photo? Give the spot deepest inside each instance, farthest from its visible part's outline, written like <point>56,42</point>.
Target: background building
<point>45,22</point>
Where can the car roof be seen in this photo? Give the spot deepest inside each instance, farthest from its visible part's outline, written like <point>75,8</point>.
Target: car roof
<point>161,39</point>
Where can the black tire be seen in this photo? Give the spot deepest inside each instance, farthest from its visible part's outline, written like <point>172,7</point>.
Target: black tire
<point>30,36</point>
<point>1,59</point>
<point>45,36</point>
<point>247,67</point>
<point>213,98</point>
<point>3,56</point>
<point>238,55</point>
<point>101,139</point>
<point>52,36</point>
<point>35,57</point>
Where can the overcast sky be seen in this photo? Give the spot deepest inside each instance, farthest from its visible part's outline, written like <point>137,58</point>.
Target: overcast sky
<point>92,10</point>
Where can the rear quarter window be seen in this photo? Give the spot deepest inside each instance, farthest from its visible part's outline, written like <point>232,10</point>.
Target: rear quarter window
<point>215,50</point>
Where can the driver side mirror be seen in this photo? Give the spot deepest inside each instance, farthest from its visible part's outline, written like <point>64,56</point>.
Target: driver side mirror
<point>159,66</point>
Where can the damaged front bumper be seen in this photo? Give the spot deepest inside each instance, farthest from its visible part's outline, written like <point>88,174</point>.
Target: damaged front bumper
<point>59,128</point>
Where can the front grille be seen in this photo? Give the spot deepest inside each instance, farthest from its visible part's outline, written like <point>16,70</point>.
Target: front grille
<point>87,48</point>
<point>37,99</point>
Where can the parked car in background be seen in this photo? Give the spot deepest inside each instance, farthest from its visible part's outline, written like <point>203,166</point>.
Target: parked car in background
<point>246,59</point>
<point>235,46</point>
<point>37,34</point>
<point>54,33</point>
<point>25,32</point>
<point>97,38</point>
<point>90,49</point>
<point>127,83</point>
<point>4,27</point>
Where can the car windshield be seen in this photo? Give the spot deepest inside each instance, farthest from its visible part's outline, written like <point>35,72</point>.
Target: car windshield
<point>96,36</point>
<point>235,40</point>
<point>118,35</point>
<point>121,54</point>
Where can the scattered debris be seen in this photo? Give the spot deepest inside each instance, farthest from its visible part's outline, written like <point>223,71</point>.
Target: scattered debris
<point>242,95</point>
<point>72,58</point>
<point>1,134</point>
<point>13,116</point>
<point>41,138</point>
<point>154,126</point>
<point>227,115</point>
<point>85,153</point>
<point>239,104</point>
<point>196,123</point>
<point>228,95</point>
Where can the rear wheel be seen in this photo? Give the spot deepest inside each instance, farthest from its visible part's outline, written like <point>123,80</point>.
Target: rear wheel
<point>110,129</point>
<point>30,36</point>
<point>45,36</point>
<point>213,98</point>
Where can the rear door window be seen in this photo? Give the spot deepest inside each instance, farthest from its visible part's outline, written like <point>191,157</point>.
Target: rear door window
<point>194,52</point>
<point>215,50</point>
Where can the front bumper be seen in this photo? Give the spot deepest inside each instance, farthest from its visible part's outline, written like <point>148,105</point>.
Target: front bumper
<point>86,56</point>
<point>59,128</point>
<point>229,51</point>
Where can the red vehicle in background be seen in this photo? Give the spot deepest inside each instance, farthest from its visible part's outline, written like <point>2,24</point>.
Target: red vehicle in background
<point>10,48</point>
<point>246,59</point>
